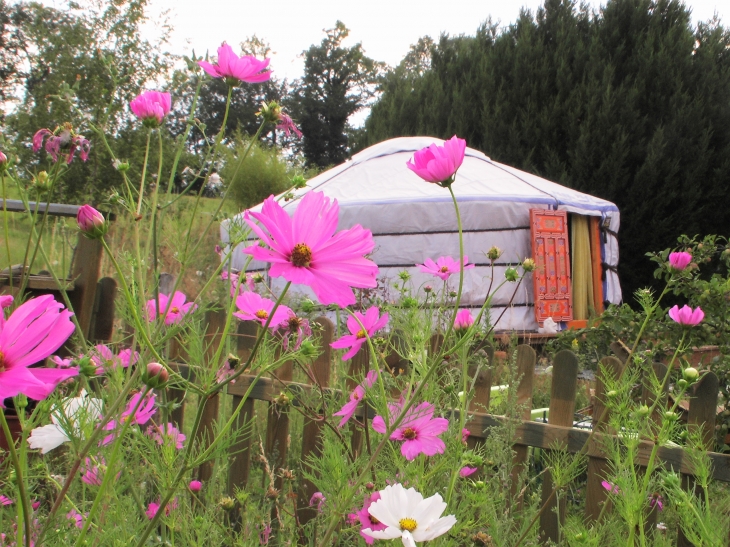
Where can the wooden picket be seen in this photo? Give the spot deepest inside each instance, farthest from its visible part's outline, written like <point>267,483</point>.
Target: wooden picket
<point>558,432</point>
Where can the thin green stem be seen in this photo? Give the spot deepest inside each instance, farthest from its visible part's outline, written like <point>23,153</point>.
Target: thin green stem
<point>20,476</point>
<point>144,173</point>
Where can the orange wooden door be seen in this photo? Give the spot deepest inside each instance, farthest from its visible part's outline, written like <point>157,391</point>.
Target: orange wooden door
<point>551,278</point>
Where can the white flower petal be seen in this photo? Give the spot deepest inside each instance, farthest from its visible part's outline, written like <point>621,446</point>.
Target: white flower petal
<point>436,529</point>
<point>407,539</point>
<point>389,533</point>
<point>429,510</point>
<point>47,438</point>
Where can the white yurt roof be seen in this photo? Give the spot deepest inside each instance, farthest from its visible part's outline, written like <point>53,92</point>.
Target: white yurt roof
<point>412,220</point>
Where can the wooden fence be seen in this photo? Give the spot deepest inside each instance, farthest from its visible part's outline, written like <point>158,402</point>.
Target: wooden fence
<point>558,430</point>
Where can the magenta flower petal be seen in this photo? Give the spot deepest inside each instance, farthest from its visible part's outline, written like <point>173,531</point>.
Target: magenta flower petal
<point>679,261</point>
<point>151,106</point>
<point>687,316</point>
<point>371,321</point>
<point>418,430</point>
<point>438,164</point>
<point>231,66</point>
<point>305,250</point>
<point>444,267</point>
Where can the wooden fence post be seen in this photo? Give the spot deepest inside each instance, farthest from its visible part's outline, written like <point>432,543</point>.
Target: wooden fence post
<point>598,468</point>
<point>562,408</point>
<point>702,415</point>
<point>215,323</point>
<point>526,359</point>
<point>239,464</point>
<point>311,441</point>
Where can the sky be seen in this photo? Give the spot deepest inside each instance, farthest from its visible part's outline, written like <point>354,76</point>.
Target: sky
<point>385,28</point>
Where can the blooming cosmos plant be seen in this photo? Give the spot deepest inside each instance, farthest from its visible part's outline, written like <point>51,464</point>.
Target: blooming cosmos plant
<point>253,307</point>
<point>33,331</point>
<point>687,316</point>
<point>173,310</point>
<point>438,164</point>
<point>305,249</point>
<point>237,69</point>
<point>355,397</point>
<point>151,107</point>
<point>419,430</point>
<point>444,267</point>
<point>361,328</point>
<point>408,516</point>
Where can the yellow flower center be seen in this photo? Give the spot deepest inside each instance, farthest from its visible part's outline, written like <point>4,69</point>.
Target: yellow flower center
<point>373,520</point>
<point>444,269</point>
<point>409,433</point>
<point>3,365</point>
<point>361,333</point>
<point>407,524</point>
<point>174,309</point>
<point>262,314</point>
<point>301,255</point>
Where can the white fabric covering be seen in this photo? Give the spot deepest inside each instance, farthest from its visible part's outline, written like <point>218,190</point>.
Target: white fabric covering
<point>412,220</point>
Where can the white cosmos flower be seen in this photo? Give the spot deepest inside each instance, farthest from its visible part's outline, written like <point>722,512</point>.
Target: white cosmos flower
<point>408,516</point>
<point>70,418</point>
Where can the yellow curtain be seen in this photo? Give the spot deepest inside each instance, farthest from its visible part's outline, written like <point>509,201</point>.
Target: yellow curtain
<point>583,302</point>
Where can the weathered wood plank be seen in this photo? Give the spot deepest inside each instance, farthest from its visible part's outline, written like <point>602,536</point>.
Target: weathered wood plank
<point>562,408</point>
<point>526,358</point>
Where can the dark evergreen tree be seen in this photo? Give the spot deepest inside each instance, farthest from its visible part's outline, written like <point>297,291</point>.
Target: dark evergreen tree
<point>630,103</point>
<point>338,81</point>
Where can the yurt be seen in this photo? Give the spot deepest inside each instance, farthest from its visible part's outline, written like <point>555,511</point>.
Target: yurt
<point>571,236</point>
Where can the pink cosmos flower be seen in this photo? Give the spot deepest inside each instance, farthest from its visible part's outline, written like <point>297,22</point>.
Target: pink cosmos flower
<point>76,517</point>
<point>143,414</point>
<point>236,287</point>
<point>151,107</point>
<point>612,488</point>
<point>153,507</point>
<point>6,300</point>
<point>371,323</point>
<point>178,308</point>
<point>318,499</point>
<point>656,500</point>
<point>33,331</point>
<point>438,164</point>
<point>63,363</point>
<point>687,316</point>
<point>237,69</point>
<point>62,139</point>
<point>35,505</point>
<point>367,520</point>
<point>466,471</point>
<point>4,159</point>
<point>444,267</point>
<point>464,435</point>
<point>295,326</point>
<point>92,472</point>
<point>265,535</point>
<point>195,486</point>
<point>679,261</point>
<point>305,249</point>
<point>463,320</point>
<point>167,434</point>
<point>4,500</point>
<point>356,396</point>
<point>253,307</point>
<point>287,125</point>
<point>126,357</point>
<point>419,430</point>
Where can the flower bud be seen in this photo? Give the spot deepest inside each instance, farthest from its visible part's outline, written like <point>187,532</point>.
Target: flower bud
<point>404,275</point>
<point>682,384</point>
<point>528,265</point>
<point>298,182</point>
<point>494,253</point>
<point>87,367</point>
<point>642,411</point>
<point>511,275</point>
<point>308,350</point>
<point>671,416</point>
<point>42,182</point>
<point>270,112</point>
<point>427,289</point>
<point>679,261</point>
<point>690,374</point>
<point>611,394</point>
<point>120,166</point>
<point>3,161</point>
<point>156,375</point>
<point>282,400</point>
<point>369,486</point>
<point>91,222</point>
<point>227,504</point>
<point>195,486</point>
<point>308,306</point>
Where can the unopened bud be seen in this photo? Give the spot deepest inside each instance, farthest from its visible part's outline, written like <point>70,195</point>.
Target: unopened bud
<point>690,374</point>
<point>195,486</point>
<point>671,416</point>
<point>87,367</point>
<point>282,399</point>
<point>528,265</point>
<point>511,275</point>
<point>308,350</point>
<point>227,504</point>
<point>156,375</point>
<point>120,165</point>
<point>3,161</point>
<point>308,306</point>
<point>642,411</point>
<point>427,289</point>
<point>91,222</point>
<point>494,253</point>
<point>369,486</point>
<point>298,182</point>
